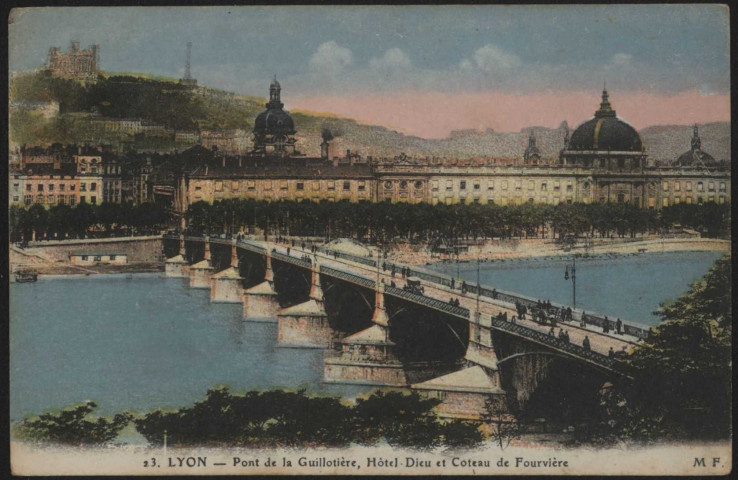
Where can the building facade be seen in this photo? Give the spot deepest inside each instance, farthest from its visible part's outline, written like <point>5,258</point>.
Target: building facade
<point>76,64</point>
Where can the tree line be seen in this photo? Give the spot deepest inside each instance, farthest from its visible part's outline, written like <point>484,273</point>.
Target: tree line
<point>84,219</point>
<point>384,221</point>
<point>272,418</point>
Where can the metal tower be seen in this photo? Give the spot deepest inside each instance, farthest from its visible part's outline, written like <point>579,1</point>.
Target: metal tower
<point>187,75</point>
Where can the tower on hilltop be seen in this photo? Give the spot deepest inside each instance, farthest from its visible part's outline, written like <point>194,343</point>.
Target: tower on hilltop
<point>187,79</point>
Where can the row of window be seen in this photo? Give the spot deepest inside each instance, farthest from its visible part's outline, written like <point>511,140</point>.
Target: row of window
<point>62,187</point>
<point>700,186</point>
<point>51,199</point>
<point>503,185</point>
<point>282,185</point>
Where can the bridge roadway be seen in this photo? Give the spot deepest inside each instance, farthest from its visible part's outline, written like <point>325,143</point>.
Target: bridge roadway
<point>359,272</point>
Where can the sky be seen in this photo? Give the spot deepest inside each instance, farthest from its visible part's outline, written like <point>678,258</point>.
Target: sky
<point>422,70</point>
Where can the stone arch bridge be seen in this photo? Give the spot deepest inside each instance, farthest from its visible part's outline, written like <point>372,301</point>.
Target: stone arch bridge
<point>378,331</point>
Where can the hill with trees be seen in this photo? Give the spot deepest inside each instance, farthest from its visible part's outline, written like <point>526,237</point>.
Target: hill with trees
<point>188,108</point>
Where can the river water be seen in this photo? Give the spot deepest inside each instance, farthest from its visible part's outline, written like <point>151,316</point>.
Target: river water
<point>148,341</point>
<point>630,287</point>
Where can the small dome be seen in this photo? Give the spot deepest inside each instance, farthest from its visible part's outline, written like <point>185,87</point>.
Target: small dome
<point>605,132</point>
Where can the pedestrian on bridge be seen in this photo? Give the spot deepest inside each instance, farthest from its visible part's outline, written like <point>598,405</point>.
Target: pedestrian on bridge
<point>551,332</point>
<point>463,286</point>
<point>611,353</point>
<point>452,284</point>
<point>585,343</point>
<point>606,326</point>
<point>619,327</point>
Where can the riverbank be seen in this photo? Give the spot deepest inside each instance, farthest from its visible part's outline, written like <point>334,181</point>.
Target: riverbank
<point>502,250</point>
<point>53,270</point>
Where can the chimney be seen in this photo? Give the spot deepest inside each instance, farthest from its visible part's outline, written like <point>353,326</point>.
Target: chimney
<point>335,161</point>
<point>324,154</point>
<point>348,155</point>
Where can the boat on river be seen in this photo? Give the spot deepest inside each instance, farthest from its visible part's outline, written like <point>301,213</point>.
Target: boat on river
<point>26,276</point>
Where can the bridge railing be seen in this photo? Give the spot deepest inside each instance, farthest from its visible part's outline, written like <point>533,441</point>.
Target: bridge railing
<point>349,277</point>
<point>348,256</point>
<point>557,343</point>
<point>431,302</point>
<point>290,259</point>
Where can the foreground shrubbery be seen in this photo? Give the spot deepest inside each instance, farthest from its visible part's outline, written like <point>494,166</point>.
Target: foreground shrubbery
<point>268,418</point>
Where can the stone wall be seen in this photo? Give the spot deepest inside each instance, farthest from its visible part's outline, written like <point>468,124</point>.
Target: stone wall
<point>138,249</point>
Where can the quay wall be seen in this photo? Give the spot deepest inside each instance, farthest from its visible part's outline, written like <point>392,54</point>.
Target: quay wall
<point>138,249</point>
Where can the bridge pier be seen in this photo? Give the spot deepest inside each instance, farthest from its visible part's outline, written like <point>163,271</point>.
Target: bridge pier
<point>201,271</point>
<point>260,302</point>
<point>226,285</point>
<point>178,266</point>
<point>464,393</point>
<point>306,324</point>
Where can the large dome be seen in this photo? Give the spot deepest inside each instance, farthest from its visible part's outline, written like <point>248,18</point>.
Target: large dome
<point>605,132</point>
<point>273,121</point>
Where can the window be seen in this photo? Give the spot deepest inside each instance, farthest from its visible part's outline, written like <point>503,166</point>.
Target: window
<point>722,186</point>
<point>72,201</point>
<point>332,185</point>
<point>39,198</point>
<point>347,185</point>
<point>711,186</point>
<point>50,199</point>
<point>15,187</point>
<point>362,185</point>
<point>61,187</point>
<point>676,200</point>
<point>62,200</point>
<point>700,187</point>
<point>518,185</point>
<point>544,187</point>
<point>27,199</point>
<point>677,186</point>
<point>300,186</point>
<point>112,257</point>
<point>504,184</point>
<point>98,258</point>
<point>418,185</point>
<point>251,185</point>
<point>722,199</point>
<point>476,186</point>
<point>665,202</point>
<point>621,198</point>
<point>93,199</point>
<point>84,257</point>
<point>283,185</point>
<point>531,185</point>
<point>569,187</point>
<point>689,200</point>
<point>40,187</point>
<point>29,187</point>
<point>462,185</point>
<point>449,185</point>
<point>700,200</point>
<point>531,200</point>
<point>316,185</point>
<point>490,185</point>
<point>557,187</point>
<point>15,198</point>
<point>72,187</point>
<point>83,187</point>
<point>218,186</point>
<point>689,186</point>
<point>434,185</point>
<point>234,185</point>
<point>666,186</point>
<point>198,188</point>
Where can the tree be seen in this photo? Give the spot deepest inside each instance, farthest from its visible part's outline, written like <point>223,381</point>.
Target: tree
<point>503,426</point>
<point>72,426</point>
<point>681,387</point>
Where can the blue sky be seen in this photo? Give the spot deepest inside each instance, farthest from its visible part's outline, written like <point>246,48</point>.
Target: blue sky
<point>650,49</point>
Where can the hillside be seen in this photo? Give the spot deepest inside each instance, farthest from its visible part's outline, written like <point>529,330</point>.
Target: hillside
<point>184,108</point>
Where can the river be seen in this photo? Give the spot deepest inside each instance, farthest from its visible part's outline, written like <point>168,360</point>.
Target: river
<point>148,341</point>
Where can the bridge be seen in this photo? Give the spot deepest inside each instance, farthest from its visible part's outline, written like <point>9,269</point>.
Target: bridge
<point>497,352</point>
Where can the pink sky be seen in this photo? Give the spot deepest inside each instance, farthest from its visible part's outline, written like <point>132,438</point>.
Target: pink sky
<point>434,115</point>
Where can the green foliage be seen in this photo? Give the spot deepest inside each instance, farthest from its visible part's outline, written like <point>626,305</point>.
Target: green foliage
<point>164,102</point>
<point>294,419</point>
<point>62,220</point>
<point>71,426</point>
<point>682,382</point>
<point>385,221</point>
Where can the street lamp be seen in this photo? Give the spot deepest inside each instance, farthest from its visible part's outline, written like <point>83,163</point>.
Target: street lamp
<point>573,276</point>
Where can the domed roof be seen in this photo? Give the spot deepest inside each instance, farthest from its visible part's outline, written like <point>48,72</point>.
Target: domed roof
<point>274,120</point>
<point>695,157</point>
<point>605,132</point>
